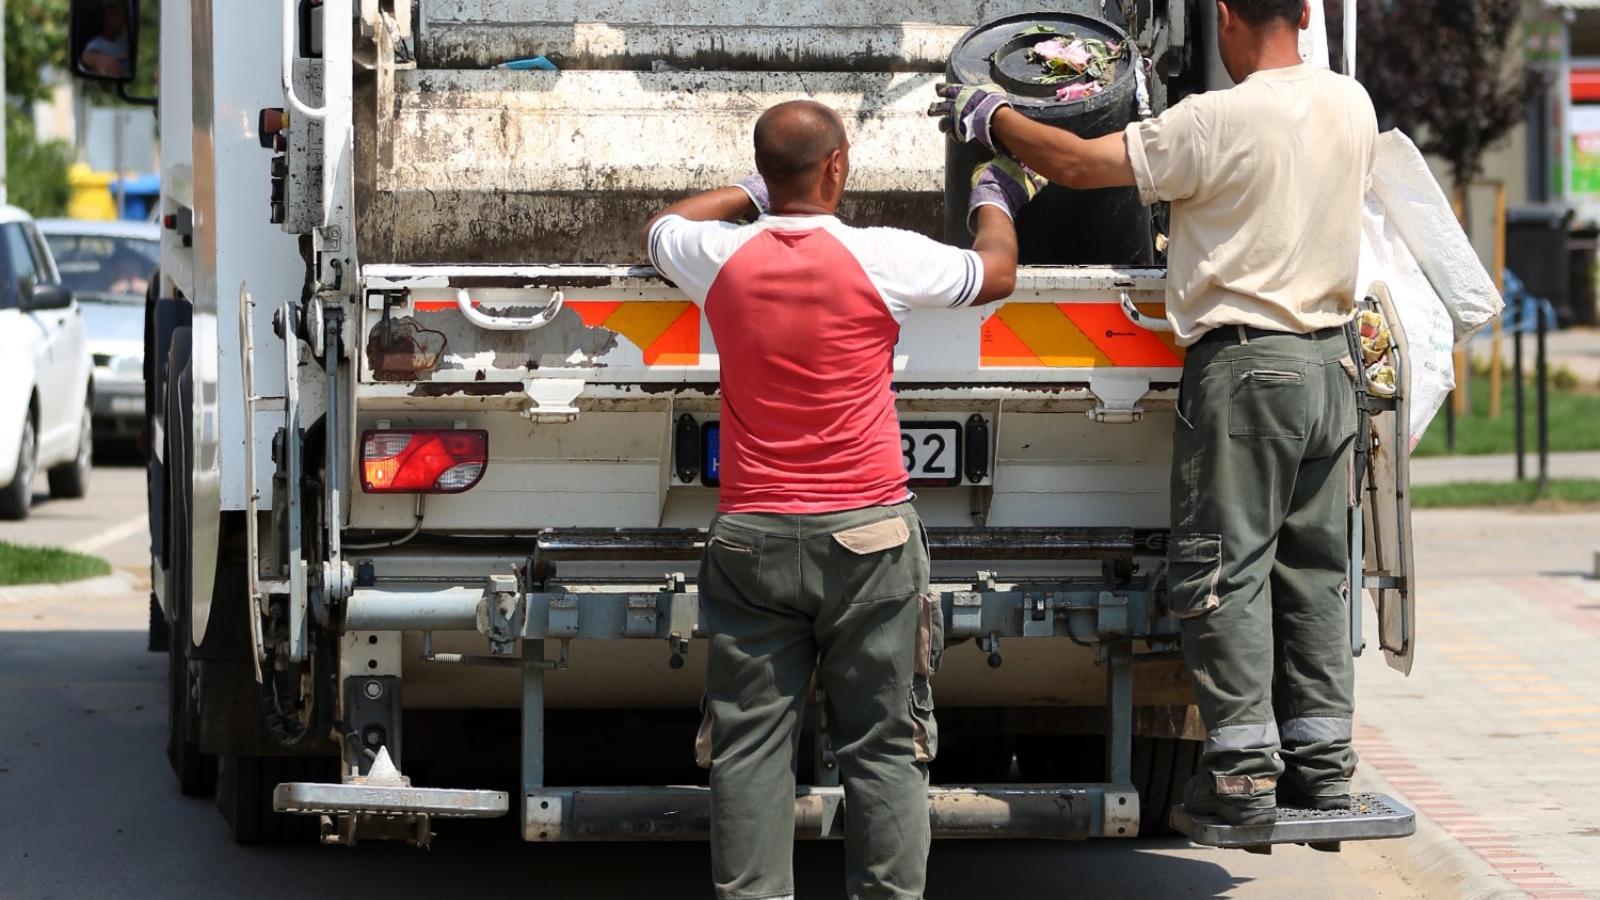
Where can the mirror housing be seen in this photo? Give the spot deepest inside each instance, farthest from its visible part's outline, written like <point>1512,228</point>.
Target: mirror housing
<point>104,40</point>
<point>47,296</point>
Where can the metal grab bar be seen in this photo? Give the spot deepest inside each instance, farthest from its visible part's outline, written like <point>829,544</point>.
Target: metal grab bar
<point>508,323</point>
<point>1148,323</point>
<point>289,94</point>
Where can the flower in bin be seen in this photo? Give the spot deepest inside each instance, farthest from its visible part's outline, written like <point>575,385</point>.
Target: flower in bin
<point>1059,54</point>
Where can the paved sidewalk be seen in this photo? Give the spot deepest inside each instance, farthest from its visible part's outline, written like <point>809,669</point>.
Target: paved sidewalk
<point>1449,469</point>
<point>1496,735</point>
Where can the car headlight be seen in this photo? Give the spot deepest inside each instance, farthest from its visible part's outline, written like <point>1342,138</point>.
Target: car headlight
<point>123,367</point>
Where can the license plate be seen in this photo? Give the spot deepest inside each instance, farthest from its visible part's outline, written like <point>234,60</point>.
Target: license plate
<point>931,452</point>
<point>127,406</point>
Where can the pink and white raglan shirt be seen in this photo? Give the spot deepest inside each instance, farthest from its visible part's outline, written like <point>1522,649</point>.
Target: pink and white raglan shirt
<point>806,312</point>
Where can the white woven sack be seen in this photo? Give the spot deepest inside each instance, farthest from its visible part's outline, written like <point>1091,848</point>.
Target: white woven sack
<point>1430,333</point>
<point>1415,205</point>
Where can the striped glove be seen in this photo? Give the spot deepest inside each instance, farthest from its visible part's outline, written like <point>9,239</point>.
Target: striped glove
<point>1005,183</point>
<point>964,111</point>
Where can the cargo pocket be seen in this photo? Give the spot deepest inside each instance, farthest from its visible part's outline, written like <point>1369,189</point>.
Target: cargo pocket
<point>930,633</point>
<point>702,737</point>
<point>873,564</point>
<point>924,730</point>
<point>1194,568</point>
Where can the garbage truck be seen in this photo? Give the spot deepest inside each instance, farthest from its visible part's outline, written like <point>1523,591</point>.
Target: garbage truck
<point>433,452</point>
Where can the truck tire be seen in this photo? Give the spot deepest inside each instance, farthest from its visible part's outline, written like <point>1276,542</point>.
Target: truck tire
<point>160,639</point>
<point>196,770</point>
<point>1161,767</point>
<point>17,497</point>
<point>244,796</point>
<point>70,481</point>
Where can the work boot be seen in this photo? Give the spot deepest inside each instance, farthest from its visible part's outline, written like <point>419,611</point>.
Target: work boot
<point>1290,797</point>
<point>1200,798</point>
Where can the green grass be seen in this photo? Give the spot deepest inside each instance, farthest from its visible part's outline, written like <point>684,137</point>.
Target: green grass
<point>34,565</point>
<point>1574,424</point>
<point>1504,493</point>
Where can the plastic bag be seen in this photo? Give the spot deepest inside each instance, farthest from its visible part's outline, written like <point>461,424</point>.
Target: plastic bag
<point>1428,325</point>
<point>1415,206</point>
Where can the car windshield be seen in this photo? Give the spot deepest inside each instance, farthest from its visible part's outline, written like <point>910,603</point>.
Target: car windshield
<point>96,265</point>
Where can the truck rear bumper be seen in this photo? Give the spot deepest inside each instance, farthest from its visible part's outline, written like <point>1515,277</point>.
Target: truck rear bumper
<point>683,813</point>
<point>1050,812</point>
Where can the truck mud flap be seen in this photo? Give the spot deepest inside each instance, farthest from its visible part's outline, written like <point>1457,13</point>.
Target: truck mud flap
<point>1371,817</point>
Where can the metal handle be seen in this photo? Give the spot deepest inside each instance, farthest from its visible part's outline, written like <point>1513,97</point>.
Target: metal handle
<point>1148,323</point>
<point>509,323</point>
<point>289,95</point>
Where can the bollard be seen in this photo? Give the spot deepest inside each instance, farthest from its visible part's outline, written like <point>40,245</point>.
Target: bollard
<point>1516,398</point>
<point>1542,388</point>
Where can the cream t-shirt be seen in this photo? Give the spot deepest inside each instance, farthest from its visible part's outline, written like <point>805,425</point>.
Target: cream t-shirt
<point>1267,181</point>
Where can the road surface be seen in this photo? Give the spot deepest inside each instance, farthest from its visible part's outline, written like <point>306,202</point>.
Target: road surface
<point>1497,735</point>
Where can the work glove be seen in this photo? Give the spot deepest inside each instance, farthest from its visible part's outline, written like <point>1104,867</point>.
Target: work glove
<point>1005,183</point>
<point>964,111</point>
<point>756,187</point>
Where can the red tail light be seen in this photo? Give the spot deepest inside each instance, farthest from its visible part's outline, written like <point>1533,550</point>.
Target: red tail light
<point>422,461</point>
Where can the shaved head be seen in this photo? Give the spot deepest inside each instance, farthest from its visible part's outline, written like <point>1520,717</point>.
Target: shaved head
<point>794,139</point>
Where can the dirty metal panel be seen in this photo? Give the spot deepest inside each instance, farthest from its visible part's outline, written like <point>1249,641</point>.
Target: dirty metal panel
<point>896,35</point>
<point>502,167</point>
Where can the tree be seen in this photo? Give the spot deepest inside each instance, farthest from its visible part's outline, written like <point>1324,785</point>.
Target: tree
<point>1446,72</point>
<point>36,172</point>
<point>36,39</point>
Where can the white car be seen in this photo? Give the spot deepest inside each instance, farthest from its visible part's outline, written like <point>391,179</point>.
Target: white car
<point>107,266</point>
<point>46,386</point>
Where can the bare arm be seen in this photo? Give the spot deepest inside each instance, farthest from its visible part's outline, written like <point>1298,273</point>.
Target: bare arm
<point>1062,156</point>
<point>996,244</point>
<point>728,204</point>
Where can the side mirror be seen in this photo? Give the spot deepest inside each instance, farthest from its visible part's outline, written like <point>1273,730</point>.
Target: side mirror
<point>104,40</point>
<point>47,296</point>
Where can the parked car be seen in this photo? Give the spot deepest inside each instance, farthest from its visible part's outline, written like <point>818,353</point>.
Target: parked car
<point>107,266</point>
<point>46,381</point>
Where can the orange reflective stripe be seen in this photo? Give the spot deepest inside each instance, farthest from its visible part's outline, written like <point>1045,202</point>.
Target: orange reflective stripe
<point>594,312</point>
<point>1123,342</point>
<point>1074,335</point>
<point>667,331</point>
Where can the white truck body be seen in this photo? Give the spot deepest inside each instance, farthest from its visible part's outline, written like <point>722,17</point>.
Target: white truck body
<point>427,203</point>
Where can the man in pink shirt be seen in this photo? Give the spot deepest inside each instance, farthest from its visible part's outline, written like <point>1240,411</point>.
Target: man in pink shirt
<point>817,561</point>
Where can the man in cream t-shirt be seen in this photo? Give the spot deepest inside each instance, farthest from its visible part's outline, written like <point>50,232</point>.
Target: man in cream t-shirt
<point>1266,182</point>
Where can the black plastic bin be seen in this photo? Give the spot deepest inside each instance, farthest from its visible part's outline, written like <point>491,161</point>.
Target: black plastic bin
<point>1536,249</point>
<point>1581,245</point>
<point>1061,226</point>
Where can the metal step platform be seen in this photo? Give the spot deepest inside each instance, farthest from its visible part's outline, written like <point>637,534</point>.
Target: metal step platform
<point>1372,817</point>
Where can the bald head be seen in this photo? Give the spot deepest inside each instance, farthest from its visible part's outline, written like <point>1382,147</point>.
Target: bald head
<point>793,140</point>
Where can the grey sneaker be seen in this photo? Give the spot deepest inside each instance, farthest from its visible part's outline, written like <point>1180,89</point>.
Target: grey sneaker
<point>1200,798</point>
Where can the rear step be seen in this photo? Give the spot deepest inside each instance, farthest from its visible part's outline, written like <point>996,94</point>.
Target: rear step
<point>1372,817</point>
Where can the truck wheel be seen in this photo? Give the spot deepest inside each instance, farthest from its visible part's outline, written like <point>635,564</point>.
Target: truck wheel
<point>70,481</point>
<point>196,771</point>
<point>159,640</point>
<point>244,796</point>
<point>16,497</point>
<point>1161,767</point>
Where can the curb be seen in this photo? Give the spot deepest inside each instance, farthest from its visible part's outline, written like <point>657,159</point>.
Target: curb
<point>117,583</point>
<point>1436,857</point>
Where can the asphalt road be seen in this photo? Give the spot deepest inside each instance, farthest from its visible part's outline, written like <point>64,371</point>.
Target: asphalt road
<point>90,808</point>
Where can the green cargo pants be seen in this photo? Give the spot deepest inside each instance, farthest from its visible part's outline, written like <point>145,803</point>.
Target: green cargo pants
<point>844,595</point>
<point>1259,558</point>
